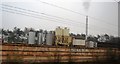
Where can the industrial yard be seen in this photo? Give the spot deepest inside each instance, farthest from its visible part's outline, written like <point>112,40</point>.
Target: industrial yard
<point>58,31</point>
<point>54,46</point>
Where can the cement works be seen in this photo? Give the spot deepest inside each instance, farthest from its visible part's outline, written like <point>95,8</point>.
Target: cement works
<point>30,46</point>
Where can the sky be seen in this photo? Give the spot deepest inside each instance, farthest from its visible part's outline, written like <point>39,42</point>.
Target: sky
<point>103,15</point>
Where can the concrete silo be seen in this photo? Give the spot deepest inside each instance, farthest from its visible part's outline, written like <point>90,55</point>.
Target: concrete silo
<point>44,37</point>
<point>40,38</point>
<point>50,38</point>
<point>58,35</point>
<point>62,36</point>
<point>40,34</point>
<point>31,38</point>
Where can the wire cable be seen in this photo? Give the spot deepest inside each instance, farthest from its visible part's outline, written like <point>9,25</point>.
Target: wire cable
<point>74,12</point>
<point>20,11</point>
<point>45,19</point>
<point>49,15</point>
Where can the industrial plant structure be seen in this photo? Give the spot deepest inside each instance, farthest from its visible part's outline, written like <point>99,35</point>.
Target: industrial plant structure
<point>59,37</point>
<point>62,36</point>
<point>53,46</point>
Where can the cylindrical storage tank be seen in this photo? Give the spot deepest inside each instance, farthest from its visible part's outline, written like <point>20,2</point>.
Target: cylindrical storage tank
<point>40,38</point>
<point>59,31</point>
<point>31,38</point>
<point>65,31</point>
<point>49,38</point>
<point>44,37</point>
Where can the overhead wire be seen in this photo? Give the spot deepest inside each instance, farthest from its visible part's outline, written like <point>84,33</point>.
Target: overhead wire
<point>40,13</point>
<point>74,21</point>
<point>45,18</point>
<point>32,16</point>
<point>47,15</point>
<point>39,17</point>
<point>42,18</point>
<point>75,12</point>
<point>27,15</point>
<point>25,12</point>
<point>19,13</point>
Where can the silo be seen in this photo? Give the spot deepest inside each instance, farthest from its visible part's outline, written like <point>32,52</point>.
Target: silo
<point>44,37</point>
<point>66,36</point>
<point>58,35</point>
<point>65,31</point>
<point>40,37</point>
<point>31,38</point>
<point>58,31</point>
<point>50,38</point>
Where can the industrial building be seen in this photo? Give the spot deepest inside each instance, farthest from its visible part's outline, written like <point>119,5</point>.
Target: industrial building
<point>78,42</point>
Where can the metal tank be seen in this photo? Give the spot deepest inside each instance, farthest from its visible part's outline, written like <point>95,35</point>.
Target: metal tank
<point>50,38</point>
<point>31,38</point>
<point>40,37</point>
<point>58,31</point>
<point>44,37</point>
<point>65,31</point>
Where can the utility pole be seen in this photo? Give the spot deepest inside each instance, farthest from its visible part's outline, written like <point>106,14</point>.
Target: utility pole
<point>86,30</point>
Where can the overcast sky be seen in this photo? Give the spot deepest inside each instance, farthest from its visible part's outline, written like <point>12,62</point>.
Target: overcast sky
<point>103,15</point>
